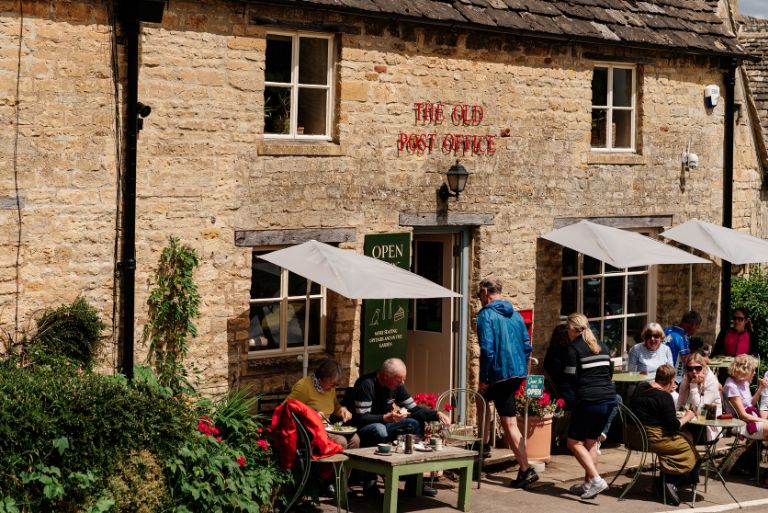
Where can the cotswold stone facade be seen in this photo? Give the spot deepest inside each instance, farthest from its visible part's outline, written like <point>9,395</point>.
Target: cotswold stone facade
<point>206,173</point>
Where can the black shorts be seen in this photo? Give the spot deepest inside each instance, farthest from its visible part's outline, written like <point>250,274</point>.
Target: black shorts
<point>588,420</point>
<point>503,396</point>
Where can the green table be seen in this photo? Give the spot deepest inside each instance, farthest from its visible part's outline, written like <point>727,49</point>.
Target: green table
<point>708,463</point>
<point>632,377</point>
<point>398,464</point>
<point>720,363</point>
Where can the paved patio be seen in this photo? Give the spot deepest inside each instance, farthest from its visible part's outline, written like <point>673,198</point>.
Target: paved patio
<point>548,494</point>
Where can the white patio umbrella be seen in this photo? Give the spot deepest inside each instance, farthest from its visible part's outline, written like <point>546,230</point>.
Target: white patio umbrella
<point>619,248</point>
<point>731,245</point>
<point>352,275</point>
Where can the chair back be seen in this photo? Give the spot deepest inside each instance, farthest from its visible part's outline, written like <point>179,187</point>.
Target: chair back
<point>301,468</point>
<point>458,403</point>
<point>635,437</point>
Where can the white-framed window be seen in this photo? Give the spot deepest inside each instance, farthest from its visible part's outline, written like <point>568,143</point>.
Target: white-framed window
<point>614,107</point>
<point>617,302</point>
<point>277,310</point>
<point>298,86</point>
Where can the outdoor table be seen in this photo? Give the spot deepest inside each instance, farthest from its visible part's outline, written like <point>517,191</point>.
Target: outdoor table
<point>720,362</point>
<point>710,450</point>
<point>398,464</point>
<point>632,377</point>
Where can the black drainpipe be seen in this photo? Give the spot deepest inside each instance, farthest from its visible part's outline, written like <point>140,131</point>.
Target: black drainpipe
<point>729,78</point>
<point>133,12</point>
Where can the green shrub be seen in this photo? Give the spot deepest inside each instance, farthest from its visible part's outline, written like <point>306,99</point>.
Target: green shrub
<point>63,433</point>
<point>138,486</point>
<point>752,293</point>
<point>71,331</point>
<point>173,303</point>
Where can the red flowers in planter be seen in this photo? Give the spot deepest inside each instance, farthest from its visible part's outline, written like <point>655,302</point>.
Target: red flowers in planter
<point>540,406</point>
<point>428,400</point>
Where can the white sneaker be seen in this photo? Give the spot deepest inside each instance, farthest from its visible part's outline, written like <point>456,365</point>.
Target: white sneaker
<point>594,487</point>
<point>597,448</point>
<point>578,489</point>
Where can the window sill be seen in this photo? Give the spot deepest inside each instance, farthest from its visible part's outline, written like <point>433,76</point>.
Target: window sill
<point>289,148</point>
<point>615,158</point>
<point>260,361</point>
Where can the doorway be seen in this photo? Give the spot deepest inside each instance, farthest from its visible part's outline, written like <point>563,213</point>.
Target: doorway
<point>432,323</point>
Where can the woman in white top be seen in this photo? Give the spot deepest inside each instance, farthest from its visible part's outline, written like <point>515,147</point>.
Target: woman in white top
<point>700,387</point>
<point>651,354</point>
<point>740,400</point>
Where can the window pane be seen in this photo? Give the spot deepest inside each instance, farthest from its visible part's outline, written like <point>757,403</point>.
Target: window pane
<point>297,285</point>
<point>265,279</point>
<point>429,260</point>
<point>598,134</point>
<point>570,262</point>
<point>635,326</point>
<point>611,269</point>
<point>568,293</point>
<point>264,327</point>
<point>295,323</point>
<point>277,110</point>
<point>591,299</point>
<point>613,335</point>
<point>591,265</point>
<point>614,296</point>
<point>622,129</point>
<point>622,87</point>
<point>278,59</point>
<point>313,61</point>
<point>312,111</point>
<point>429,315</point>
<point>637,293</point>
<point>600,87</point>
<point>596,327</point>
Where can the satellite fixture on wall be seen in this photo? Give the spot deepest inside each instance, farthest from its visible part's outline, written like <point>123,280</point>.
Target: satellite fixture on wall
<point>711,95</point>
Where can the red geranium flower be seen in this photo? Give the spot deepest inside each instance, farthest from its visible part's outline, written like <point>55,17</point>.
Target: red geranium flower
<point>447,406</point>
<point>263,444</point>
<point>241,460</point>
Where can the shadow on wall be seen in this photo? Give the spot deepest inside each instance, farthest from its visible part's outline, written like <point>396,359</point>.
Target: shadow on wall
<point>546,308</point>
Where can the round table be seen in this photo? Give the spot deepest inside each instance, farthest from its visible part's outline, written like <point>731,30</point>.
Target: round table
<point>632,377</point>
<point>708,455</point>
<point>720,363</point>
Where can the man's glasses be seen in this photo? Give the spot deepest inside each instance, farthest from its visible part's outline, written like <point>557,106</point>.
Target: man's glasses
<point>739,319</point>
<point>694,368</point>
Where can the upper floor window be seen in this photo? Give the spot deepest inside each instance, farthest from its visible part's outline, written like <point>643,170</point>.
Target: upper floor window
<point>278,309</point>
<point>617,302</point>
<point>298,90</point>
<point>614,109</point>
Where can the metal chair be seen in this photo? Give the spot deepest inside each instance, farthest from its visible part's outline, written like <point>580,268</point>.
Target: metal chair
<point>463,429</point>
<point>303,466</point>
<point>635,439</point>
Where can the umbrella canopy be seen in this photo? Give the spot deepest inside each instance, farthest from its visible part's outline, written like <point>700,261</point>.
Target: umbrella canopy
<point>619,248</point>
<point>730,245</point>
<point>352,275</point>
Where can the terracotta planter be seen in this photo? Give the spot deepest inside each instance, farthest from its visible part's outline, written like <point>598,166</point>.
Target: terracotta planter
<point>539,437</point>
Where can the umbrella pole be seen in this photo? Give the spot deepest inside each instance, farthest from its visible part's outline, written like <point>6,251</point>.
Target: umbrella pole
<point>305,359</point>
<point>690,285</point>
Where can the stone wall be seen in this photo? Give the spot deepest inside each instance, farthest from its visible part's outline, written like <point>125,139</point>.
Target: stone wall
<point>205,169</point>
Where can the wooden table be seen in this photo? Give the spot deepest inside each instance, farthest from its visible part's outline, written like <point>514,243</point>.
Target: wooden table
<point>708,462</point>
<point>399,464</point>
<point>720,362</point>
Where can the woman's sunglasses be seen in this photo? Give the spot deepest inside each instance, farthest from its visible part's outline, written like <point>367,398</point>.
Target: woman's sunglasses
<point>739,319</point>
<point>694,368</point>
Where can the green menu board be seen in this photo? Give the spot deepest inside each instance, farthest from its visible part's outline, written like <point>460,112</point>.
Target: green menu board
<point>385,320</point>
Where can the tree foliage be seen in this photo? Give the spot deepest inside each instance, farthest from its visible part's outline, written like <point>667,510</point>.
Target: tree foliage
<point>751,292</point>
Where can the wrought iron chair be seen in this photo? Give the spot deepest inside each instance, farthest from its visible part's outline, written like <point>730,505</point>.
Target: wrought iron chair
<point>303,466</point>
<point>635,439</point>
<point>463,430</point>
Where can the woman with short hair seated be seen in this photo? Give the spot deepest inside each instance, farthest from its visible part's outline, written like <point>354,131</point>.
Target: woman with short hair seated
<point>654,407</point>
<point>699,387</point>
<point>740,400</point>
<point>648,356</point>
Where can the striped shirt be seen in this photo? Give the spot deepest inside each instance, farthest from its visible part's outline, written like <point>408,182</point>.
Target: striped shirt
<point>589,374</point>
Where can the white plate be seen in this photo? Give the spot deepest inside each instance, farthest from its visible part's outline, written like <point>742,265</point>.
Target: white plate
<point>347,431</point>
<point>421,447</point>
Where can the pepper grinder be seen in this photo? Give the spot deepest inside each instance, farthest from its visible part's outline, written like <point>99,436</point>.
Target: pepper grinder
<point>408,444</point>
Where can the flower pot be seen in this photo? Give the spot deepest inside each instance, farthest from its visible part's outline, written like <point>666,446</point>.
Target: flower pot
<point>539,437</point>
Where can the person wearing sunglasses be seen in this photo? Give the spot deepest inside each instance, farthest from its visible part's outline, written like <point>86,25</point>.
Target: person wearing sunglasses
<point>699,387</point>
<point>738,338</point>
<point>651,354</point>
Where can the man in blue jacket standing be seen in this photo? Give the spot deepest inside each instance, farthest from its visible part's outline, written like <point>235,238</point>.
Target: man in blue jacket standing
<point>505,348</point>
